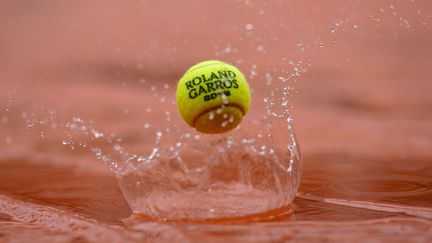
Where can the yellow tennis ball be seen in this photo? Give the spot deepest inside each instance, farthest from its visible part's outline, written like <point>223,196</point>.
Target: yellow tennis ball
<point>213,97</point>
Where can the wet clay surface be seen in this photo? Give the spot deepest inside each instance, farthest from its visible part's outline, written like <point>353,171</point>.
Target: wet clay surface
<point>364,125</point>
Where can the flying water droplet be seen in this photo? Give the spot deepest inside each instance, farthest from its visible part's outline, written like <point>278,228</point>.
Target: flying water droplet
<point>249,26</point>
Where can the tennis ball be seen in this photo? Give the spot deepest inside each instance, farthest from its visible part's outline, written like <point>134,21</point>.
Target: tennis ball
<point>213,97</point>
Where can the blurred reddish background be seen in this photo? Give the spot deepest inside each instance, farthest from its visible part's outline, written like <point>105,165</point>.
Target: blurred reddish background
<point>362,112</point>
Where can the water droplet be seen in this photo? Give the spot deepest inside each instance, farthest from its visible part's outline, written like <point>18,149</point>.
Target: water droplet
<point>249,26</point>
<point>231,119</point>
<point>301,46</point>
<point>83,144</point>
<point>253,71</point>
<point>268,78</point>
<point>96,133</point>
<point>224,98</point>
<point>117,147</point>
<point>211,116</point>
<point>260,48</point>
<point>228,49</point>
<point>224,123</point>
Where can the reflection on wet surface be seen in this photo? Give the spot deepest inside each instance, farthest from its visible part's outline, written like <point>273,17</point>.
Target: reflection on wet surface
<point>60,200</point>
<point>395,180</point>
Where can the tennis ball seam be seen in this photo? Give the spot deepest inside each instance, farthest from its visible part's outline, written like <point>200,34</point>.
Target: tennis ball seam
<point>216,107</point>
